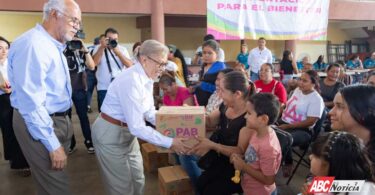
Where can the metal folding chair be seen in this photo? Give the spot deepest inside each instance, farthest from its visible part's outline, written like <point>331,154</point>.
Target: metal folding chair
<point>301,155</point>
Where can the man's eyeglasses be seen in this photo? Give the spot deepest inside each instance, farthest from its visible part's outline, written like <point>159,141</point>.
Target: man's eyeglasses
<point>75,21</point>
<point>161,64</point>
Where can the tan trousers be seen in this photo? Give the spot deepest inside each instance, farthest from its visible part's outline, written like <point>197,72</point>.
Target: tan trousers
<point>48,181</point>
<point>119,158</point>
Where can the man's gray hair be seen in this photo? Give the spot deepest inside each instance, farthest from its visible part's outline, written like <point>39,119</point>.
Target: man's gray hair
<point>58,5</point>
<point>153,47</point>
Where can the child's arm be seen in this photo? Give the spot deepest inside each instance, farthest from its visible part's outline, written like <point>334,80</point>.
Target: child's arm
<point>243,139</point>
<point>205,145</point>
<point>239,164</point>
<point>243,142</point>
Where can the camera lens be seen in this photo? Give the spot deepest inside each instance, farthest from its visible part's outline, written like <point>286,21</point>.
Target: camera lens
<point>112,43</point>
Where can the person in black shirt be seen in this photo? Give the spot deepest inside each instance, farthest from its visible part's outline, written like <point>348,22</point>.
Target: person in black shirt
<point>288,66</point>
<point>78,59</point>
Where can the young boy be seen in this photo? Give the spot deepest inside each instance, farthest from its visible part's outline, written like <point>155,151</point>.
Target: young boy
<point>263,153</point>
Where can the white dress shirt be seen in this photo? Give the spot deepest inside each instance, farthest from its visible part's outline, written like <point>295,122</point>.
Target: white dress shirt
<point>258,57</point>
<point>130,99</point>
<point>102,74</point>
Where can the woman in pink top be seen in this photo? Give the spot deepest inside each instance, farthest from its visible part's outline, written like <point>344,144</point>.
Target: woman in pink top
<point>173,94</point>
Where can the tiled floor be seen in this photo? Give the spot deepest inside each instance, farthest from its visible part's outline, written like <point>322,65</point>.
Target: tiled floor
<point>84,174</point>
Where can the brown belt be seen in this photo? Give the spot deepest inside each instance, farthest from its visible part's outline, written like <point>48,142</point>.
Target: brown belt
<point>112,120</point>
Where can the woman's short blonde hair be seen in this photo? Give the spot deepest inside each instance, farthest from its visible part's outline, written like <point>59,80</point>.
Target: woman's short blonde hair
<point>153,47</point>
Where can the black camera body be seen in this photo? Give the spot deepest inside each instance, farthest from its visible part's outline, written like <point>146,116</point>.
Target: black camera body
<point>76,44</point>
<point>112,43</point>
<point>199,54</point>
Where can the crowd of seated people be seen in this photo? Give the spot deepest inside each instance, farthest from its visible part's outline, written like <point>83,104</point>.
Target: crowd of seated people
<point>300,107</point>
<point>240,112</point>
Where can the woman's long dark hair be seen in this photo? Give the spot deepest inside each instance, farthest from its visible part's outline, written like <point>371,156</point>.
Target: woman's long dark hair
<point>345,154</point>
<point>320,59</point>
<point>237,81</point>
<point>285,58</point>
<point>314,77</point>
<point>185,72</point>
<point>361,103</point>
<point>6,41</point>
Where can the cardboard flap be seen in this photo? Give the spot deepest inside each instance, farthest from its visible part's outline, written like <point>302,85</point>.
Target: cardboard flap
<point>181,110</point>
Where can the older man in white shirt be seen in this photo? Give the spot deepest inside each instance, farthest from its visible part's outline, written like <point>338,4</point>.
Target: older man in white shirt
<point>257,57</point>
<point>127,105</point>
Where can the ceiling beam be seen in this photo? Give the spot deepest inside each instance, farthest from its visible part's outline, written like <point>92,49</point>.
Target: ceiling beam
<point>174,21</point>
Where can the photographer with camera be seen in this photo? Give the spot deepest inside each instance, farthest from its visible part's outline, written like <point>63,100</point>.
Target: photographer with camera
<point>78,58</point>
<point>110,59</point>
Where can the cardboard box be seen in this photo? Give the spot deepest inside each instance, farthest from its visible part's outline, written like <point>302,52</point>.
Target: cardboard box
<point>172,159</point>
<point>181,121</point>
<point>174,180</point>
<point>152,160</point>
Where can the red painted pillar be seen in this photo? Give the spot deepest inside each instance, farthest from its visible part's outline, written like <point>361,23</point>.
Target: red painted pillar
<point>157,20</point>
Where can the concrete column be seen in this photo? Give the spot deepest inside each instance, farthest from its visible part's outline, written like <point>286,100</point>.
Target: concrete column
<point>291,46</point>
<point>371,42</point>
<point>157,20</point>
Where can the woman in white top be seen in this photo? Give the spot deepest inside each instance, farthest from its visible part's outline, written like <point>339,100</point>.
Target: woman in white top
<point>12,150</point>
<point>128,104</point>
<point>302,111</point>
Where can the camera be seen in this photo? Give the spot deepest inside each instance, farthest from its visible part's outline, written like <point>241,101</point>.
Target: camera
<point>199,54</point>
<point>112,43</point>
<point>80,34</point>
<point>76,44</point>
